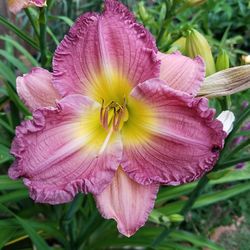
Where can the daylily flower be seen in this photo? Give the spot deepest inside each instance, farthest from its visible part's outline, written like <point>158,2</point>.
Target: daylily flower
<point>116,118</point>
<point>17,5</point>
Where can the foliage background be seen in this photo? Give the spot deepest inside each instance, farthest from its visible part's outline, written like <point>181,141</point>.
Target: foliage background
<point>223,205</point>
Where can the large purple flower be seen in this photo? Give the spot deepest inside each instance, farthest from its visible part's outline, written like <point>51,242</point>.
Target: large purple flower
<point>116,118</point>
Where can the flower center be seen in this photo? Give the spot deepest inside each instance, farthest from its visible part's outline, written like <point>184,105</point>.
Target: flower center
<point>113,115</point>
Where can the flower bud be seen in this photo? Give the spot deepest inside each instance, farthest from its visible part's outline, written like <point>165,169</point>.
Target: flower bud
<point>245,59</point>
<point>176,218</point>
<point>197,45</point>
<point>143,12</point>
<point>222,61</point>
<point>179,44</point>
<point>195,2</point>
<point>16,5</point>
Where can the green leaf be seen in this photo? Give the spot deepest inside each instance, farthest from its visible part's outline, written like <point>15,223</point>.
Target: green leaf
<point>13,96</point>
<point>14,196</point>
<point>168,193</point>
<point>67,20</point>
<point>7,184</point>
<point>195,240</point>
<point>4,155</point>
<point>21,49</point>
<point>7,74</point>
<point>38,241</point>
<point>18,32</point>
<point>6,235</point>
<point>5,125</point>
<point>206,199</point>
<point>14,61</point>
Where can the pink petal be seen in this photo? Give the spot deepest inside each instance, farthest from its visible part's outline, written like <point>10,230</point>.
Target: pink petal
<point>59,152</point>
<point>36,90</point>
<point>101,44</point>
<point>128,202</point>
<point>181,72</point>
<point>183,140</point>
<point>17,5</point>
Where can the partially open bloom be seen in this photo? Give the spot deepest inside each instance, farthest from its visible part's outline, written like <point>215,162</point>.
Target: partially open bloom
<point>17,5</point>
<point>116,118</point>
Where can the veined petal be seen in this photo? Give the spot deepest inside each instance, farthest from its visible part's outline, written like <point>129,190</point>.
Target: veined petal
<point>181,72</point>
<point>17,5</point>
<point>227,118</point>
<point>60,152</point>
<point>36,90</point>
<point>179,140</point>
<point>128,202</point>
<point>110,45</point>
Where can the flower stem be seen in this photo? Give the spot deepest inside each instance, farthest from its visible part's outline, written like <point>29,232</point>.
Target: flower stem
<point>188,205</point>
<point>18,32</point>
<point>27,11</point>
<point>42,37</point>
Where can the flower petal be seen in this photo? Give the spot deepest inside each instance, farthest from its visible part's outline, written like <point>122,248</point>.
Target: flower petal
<point>17,5</point>
<point>60,152</point>
<point>106,44</point>
<point>36,90</point>
<point>128,202</point>
<point>227,118</point>
<point>181,72</point>
<point>180,141</point>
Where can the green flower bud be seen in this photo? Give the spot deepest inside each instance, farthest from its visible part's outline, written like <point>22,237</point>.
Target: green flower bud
<point>142,11</point>
<point>195,2</point>
<point>179,44</point>
<point>176,218</point>
<point>222,61</point>
<point>197,45</point>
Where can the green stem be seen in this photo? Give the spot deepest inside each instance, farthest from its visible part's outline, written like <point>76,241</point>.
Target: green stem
<point>69,9</point>
<point>42,37</point>
<point>233,162</point>
<point>32,22</point>
<point>18,32</point>
<point>225,102</point>
<point>188,205</point>
<point>194,195</point>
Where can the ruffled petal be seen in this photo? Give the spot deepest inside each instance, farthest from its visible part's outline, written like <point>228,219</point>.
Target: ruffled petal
<point>17,5</point>
<point>60,152</point>
<point>36,90</point>
<point>101,46</point>
<point>181,72</point>
<point>128,202</point>
<point>177,142</point>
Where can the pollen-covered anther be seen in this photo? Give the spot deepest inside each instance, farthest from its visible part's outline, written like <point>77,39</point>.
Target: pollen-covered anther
<point>112,115</point>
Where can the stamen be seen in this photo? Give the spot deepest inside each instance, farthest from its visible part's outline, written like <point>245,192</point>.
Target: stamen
<point>105,118</point>
<point>118,120</point>
<point>118,114</point>
<point>101,112</point>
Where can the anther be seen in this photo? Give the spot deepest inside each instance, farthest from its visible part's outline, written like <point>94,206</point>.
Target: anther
<point>101,112</point>
<point>105,118</point>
